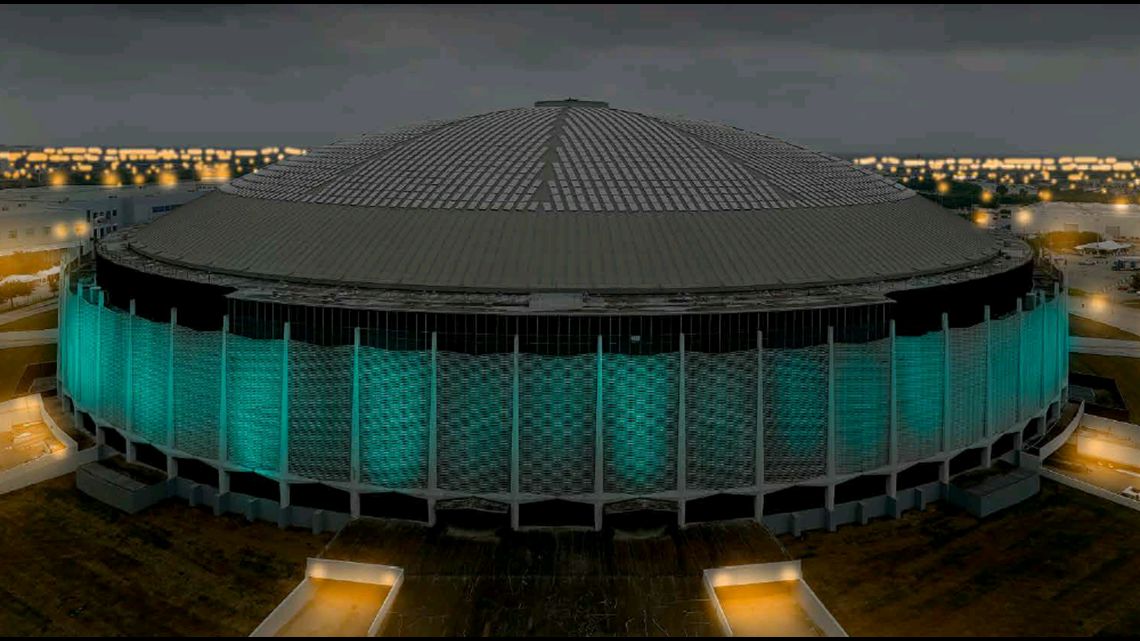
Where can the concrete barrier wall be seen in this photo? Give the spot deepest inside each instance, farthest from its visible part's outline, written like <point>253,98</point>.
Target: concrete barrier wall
<point>1119,429</point>
<point>769,573</point>
<point>1090,489</point>
<point>44,468</point>
<point>1052,446</point>
<point>337,571</point>
<point>1092,445</point>
<point>285,610</point>
<point>818,613</point>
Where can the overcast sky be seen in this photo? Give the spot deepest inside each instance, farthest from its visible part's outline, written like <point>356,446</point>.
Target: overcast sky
<point>962,80</point>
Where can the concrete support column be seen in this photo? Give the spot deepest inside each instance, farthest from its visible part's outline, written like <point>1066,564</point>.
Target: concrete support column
<point>354,434</point>
<point>283,452</point>
<point>990,427</point>
<point>171,467</point>
<point>759,507</point>
<point>78,391</point>
<point>98,402</point>
<point>130,419</point>
<point>433,480</point>
<point>170,379</point>
<point>829,505</point>
<point>681,433</point>
<point>945,381</point>
<point>831,403</point>
<point>515,437</point>
<point>599,465</point>
<point>223,431</point>
<point>1042,312</point>
<point>132,452</point>
<point>354,504</point>
<point>893,443</point>
<point>1020,357</point>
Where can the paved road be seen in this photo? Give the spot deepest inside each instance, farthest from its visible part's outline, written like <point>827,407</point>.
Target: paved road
<point>28,338</point>
<point>1118,316</point>
<point>1104,346</point>
<point>30,310</point>
<point>1112,480</point>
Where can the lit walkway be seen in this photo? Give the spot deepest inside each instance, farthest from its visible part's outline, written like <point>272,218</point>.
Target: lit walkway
<point>1118,316</point>
<point>1104,346</point>
<point>30,310</point>
<point>29,338</point>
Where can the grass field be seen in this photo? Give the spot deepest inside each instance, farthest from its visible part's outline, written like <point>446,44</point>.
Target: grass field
<point>71,566</point>
<point>1089,328</point>
<point>1062,563</point>
<point>1126,372</point>
<point>43,320</point>
<point>12,363</point>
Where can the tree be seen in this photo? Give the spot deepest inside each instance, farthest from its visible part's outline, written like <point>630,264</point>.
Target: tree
<point>14,289</point>
<point>1134,282</point>
<point>53,283</point>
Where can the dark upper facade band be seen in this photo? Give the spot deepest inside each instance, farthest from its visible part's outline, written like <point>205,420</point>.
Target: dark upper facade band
<point>566,198</point>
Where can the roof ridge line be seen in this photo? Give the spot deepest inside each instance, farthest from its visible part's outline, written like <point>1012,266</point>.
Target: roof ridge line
<point>444,124</point>
<point>724,153</point>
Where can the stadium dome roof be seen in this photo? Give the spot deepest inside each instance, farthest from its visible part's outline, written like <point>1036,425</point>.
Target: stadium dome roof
<point>566,196</point>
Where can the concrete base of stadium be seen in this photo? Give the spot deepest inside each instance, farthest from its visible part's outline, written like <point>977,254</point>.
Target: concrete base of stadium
<point>298,502</point>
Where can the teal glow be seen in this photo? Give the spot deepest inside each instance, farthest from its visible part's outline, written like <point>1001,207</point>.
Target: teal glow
<point>475,400</point>
<point>639,414</point>
<point>113,358</point>
<point>1031,363</point>
<point>557,407</point>
<point>720,420</point>
<point>395,406</point>
<point>919,385</point>
<point>197,391</point>
<point>253,402</point>
<point>795,414</point>
<point>862,405</point>
<point>150,377</point>
<point>967,386</point>
<point>1007,364</point>
<point>320,411</point>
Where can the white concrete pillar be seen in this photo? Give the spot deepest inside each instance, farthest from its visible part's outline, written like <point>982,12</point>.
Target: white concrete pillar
<point>990,427</point>
<point>433,481</point>
<point>354,434</point>
<point>946,381</point>
<point>515,436</point>
<point>98,409</point>
<point>223,431</point>
<point>170,379</point>
<point>130,419</point>
<point>893,444</point>
<point>681,436</point>
<point>1020,357</point>
<point>599,417</point>
<point>759,506</point>
<point>831,403</point>
<point>283,453</point>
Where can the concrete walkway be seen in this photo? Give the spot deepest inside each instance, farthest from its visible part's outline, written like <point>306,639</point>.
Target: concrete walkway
<point>1118,316</point>
<point>1099,346</point>
<point>30,310</point>
<point>28,338</point>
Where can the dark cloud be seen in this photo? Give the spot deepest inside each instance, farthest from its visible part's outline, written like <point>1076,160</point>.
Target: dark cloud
<point>972,79</point>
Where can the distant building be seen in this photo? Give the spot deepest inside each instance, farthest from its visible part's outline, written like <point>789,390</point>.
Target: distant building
<point>57,217</point>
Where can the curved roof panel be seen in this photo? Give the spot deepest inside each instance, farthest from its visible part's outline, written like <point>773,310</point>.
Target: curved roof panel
<point>566,198</point>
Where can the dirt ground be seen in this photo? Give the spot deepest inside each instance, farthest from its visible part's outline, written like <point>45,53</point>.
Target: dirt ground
<point>1062,563</point>
<point>70,565</point>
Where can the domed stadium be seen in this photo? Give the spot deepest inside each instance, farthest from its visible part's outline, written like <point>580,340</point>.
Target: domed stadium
<point>563,315</point>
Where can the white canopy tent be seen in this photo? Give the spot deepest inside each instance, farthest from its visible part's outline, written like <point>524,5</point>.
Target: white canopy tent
<point>1104,246</point>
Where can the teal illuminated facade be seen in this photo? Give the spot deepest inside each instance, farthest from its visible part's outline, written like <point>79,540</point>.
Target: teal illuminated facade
<point>597,421</point>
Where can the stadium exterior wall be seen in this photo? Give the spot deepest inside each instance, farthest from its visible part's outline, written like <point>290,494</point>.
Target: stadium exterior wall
<point>599,428</point>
